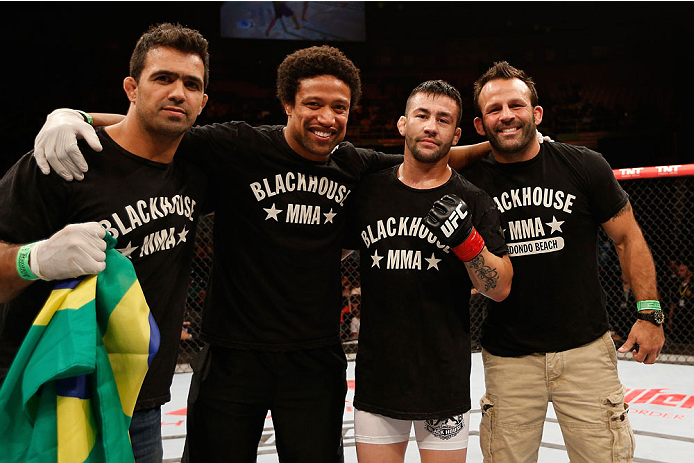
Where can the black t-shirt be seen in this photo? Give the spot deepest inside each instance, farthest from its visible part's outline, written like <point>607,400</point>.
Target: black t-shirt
<point>551,208</point>
<point>279,224</point>
<point>414,340</point>
<point>151,208</point>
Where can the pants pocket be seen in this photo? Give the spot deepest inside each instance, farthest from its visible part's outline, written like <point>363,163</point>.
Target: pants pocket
<point>610,348</point>
<point>617,411</point>
<point>487,426</point>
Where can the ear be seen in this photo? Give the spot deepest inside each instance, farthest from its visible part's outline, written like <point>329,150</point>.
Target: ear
<point>204,102</point>
<point>288,108</point>
<point>456,137</point>
<point>130,87</point>
<point>479,127</point>
<point>537,113</point>
<point>402,124</point>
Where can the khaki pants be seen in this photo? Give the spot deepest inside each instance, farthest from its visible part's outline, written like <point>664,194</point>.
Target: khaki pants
<point>587,395</point>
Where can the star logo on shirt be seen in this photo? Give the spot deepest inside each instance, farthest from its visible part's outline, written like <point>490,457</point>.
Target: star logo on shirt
<point>376,260</point>
<point>555,225</point>
<point>433,262</point>
<point>272,212</point>
<point>329,216</point>
<point>126,251</point>
<point>182,236</point>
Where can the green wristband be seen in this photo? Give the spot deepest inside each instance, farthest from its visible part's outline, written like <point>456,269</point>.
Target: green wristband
<point>87,118</point>
<point>648,305</point>
<point>23,262</point>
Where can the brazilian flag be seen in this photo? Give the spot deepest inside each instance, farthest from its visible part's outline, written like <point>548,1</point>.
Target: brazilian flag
<point>71,390</point>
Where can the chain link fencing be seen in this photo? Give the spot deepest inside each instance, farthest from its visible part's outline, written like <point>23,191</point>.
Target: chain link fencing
<point>664,208</point>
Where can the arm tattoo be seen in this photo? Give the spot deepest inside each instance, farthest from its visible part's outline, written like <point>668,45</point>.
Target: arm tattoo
<point>486,274</point>
<point>622,211</point>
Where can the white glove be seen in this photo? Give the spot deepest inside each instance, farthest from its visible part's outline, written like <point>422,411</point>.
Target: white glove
<point>56,144</point>
<point>541,138</point>
<point>77,249</point>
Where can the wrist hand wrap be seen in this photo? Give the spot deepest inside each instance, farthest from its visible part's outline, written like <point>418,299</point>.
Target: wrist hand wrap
<point>470,248</point>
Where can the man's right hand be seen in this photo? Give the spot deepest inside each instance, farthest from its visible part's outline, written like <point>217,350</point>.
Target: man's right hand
<point>56,144</point>
<point>77,249</point>
<point>451,222</point>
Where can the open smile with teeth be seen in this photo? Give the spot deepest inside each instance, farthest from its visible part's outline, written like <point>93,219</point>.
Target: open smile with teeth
<point>509,130</point>
<point>321,134</point>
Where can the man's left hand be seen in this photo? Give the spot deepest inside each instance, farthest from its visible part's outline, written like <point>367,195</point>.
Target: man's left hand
<point>650,339</point>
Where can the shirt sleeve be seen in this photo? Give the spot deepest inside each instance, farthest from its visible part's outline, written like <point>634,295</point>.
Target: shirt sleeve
<point>208,146</point>
<point>376,160</point>
<point>487,221</point>
<point>31,204</point>
<point>605,195</point>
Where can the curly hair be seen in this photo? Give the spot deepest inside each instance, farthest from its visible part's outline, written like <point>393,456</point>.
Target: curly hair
<point>173,36</point>
<point>312,62</point>
<point>438,87</point>
<point>503,70</point>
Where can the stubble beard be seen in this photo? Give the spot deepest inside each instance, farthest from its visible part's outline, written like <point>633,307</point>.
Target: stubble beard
<point>157,124</point>
<point>528,132</point>
<point>428,158</point>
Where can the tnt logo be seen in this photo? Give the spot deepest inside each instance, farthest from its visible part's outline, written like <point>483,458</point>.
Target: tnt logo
<point>668,169</point>
<point>630,172</point>
<point>451,225</point>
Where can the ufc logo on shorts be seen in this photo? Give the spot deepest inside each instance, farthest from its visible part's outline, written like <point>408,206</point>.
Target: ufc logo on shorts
<point>452,223</point>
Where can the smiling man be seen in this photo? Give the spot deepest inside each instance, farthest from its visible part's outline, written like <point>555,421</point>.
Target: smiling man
<point>272,313</point>
<point>317,119</point>
<point>136,190</point>
<point>549,340</point>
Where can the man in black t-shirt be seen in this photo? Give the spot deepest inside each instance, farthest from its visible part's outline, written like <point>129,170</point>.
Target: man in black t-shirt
<point>549,340</point>
<point>413,363</point>
<point>138,192</point>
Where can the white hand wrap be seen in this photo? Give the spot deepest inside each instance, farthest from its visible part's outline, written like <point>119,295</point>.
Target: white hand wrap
<point>75,250</point>
<point>56,144</point>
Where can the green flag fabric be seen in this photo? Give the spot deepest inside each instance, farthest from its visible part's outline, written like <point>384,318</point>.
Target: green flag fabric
<point>71,390</point>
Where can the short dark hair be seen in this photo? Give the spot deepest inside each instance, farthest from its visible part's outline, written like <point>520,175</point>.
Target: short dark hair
<point>503,70</point>
<point>313,62</point>
<point>438,87</point>
<point>173,36</point>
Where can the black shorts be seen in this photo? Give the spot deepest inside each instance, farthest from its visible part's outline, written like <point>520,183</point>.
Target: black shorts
<point>232,391</point>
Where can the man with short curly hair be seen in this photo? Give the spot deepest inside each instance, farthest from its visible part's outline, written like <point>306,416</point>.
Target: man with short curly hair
<point>314,61</point>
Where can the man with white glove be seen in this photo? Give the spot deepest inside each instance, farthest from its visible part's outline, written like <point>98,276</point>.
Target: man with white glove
<point>77,249</point>
<point>72,123</point>
<point>136,191</point>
